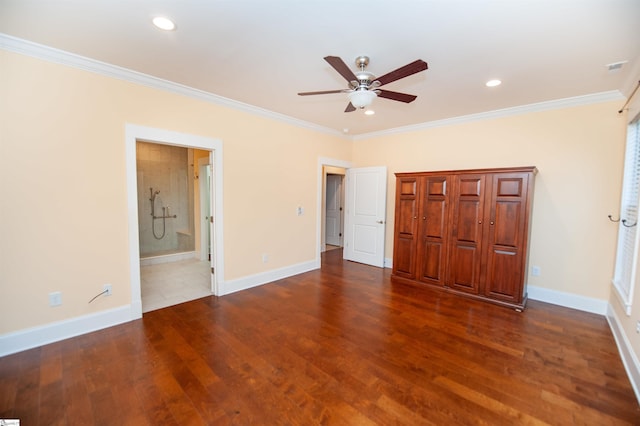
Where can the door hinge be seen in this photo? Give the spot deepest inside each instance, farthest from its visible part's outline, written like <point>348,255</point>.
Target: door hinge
<point>340,234</point>
<point>213,270</point>
<point>211,219</point>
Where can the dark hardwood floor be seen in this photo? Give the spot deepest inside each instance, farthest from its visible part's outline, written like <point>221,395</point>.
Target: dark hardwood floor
<point>341,345</point>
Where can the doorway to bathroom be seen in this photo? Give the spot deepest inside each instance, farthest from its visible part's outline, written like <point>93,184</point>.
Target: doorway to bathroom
<point>172,269</point>
<point>165,174</point>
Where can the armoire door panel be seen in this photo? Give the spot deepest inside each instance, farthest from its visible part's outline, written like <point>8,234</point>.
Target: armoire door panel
<point>431,262</point>
<point>405,228</point>
<point>509,187</point>
<point>470,186</point>
<point>404,249</point>
<point>507,223</point>
<point>502,271</point>
<point>433,230</point>
<point>437,186</point>
<point>464,268</point>
<point>434,208</point>
<point>434,219</point>
<point>469,216</point>
<point>408,187</point>
<point>406,222</point>
<point>505,242</point>
<point>466,240</point>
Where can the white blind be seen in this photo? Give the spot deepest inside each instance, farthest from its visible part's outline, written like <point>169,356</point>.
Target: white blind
<point>626,255</point>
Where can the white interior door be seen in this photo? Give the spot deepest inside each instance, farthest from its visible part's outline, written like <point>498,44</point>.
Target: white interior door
<point>333,213</point>
<point>204,172</point>
<point>365,215</point>
<point>212,196</point>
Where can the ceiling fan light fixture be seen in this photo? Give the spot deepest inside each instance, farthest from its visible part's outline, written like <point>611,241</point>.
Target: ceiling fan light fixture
<point>164,23</point>
<point>361,98</point>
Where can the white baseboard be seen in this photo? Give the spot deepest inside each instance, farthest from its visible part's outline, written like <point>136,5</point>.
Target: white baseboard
<point>38,336</point>
<point>168,258</point>
<point>232,286</point>
<point>629,359</point>
<point>49,333</point>
<point>568,300</point>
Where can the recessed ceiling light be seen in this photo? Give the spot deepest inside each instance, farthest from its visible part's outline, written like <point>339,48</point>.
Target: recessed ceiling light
<point>164,23</point>
<point>369,112</point>
<point>493,83</point>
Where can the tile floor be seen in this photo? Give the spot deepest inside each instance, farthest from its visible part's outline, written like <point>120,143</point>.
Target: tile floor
<point>168,284</point>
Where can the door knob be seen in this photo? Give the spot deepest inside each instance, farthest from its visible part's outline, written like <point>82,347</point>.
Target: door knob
<point>380,222</point>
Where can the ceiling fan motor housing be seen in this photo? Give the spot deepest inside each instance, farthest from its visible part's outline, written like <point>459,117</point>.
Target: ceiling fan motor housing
<point>363,85</point>
<point>365,78</point>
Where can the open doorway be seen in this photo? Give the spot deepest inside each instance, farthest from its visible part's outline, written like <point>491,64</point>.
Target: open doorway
<point>326,166</point>
<point>170,197</point>
<point>210,148</point>
<point>334,207</point>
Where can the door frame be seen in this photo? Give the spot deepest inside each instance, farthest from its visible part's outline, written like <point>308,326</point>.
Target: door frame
<point>135,133</point>
<point>322,162</point>
<point>340,194</point>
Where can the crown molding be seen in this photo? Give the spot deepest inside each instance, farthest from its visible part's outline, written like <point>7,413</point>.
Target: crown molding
<point>50,54</point>
<point>62,57</point>
<point>613,95</point>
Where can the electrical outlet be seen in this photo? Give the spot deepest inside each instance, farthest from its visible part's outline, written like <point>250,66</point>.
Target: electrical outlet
<point>300,211</point>
<point>107,289</point>
<point>535,271</point>
<point>638,327</point>
<point>55,298</point>
<point>265,258</point>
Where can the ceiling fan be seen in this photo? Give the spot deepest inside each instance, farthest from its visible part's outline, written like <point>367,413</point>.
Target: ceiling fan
<point>364,86</point>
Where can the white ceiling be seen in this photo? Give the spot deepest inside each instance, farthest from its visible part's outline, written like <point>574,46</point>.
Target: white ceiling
<point>263,53</point>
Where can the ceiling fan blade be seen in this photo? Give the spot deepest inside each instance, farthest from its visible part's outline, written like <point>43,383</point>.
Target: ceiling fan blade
<point>342,68</point>
<point>321,92</point>
<point>402,72</point>
<point>350,108</point>
<point>396,96</point>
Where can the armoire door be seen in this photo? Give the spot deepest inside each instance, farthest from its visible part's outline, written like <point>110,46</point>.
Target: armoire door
<point>466,243</point>
<point>506,236</point>
<point>406,227</point>
<point>433,229</point>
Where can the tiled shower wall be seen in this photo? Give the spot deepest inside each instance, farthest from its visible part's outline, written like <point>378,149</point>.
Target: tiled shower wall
<point>166,169</point>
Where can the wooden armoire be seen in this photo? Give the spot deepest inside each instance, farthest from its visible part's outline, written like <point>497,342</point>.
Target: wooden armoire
<point>465,231</point>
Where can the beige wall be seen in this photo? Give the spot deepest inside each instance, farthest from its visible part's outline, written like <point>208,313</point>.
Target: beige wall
<point>62,172</point>
<point>579,154</point>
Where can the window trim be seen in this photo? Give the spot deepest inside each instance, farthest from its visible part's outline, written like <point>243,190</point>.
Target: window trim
<point>625,291</point>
